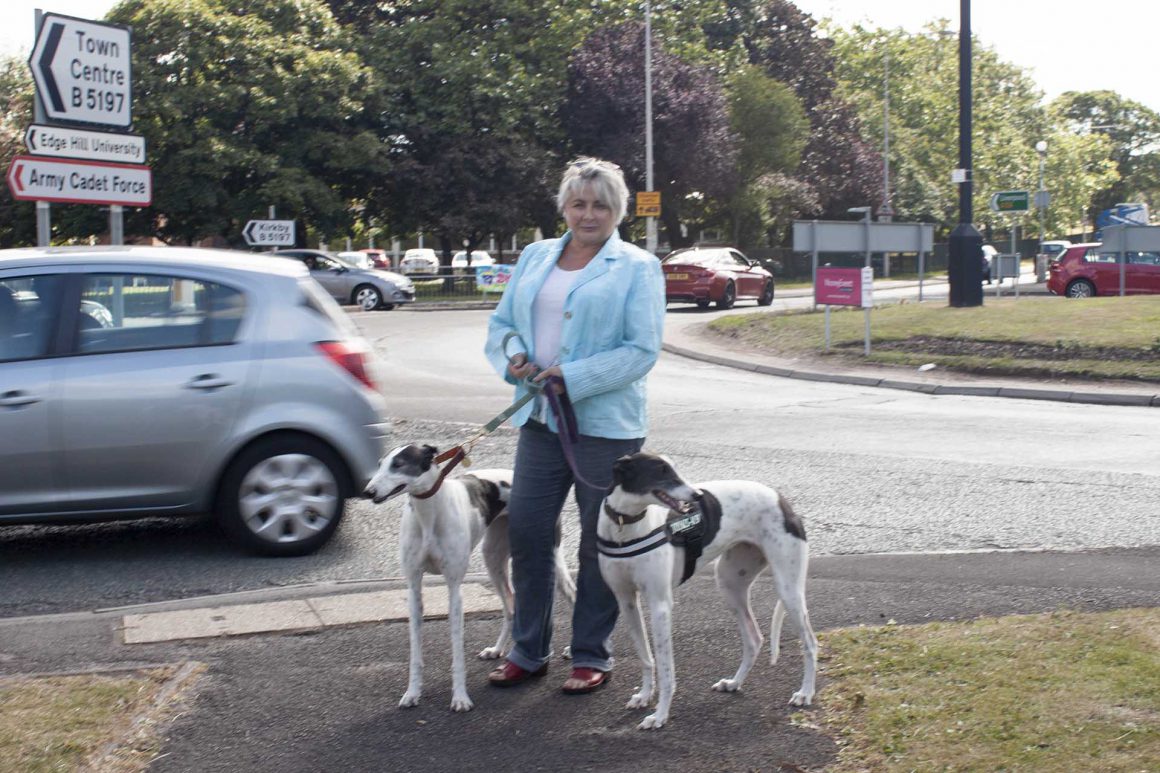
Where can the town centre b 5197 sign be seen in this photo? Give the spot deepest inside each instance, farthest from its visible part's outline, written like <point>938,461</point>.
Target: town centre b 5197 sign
<point>82,71</point>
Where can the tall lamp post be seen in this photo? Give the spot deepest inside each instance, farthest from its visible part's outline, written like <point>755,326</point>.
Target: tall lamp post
<point>650,223</point>
<point>1041,205</point>
<point>965,270</point>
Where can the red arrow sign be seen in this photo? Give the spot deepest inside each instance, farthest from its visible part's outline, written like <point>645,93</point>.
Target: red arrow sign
<point>14,183</point>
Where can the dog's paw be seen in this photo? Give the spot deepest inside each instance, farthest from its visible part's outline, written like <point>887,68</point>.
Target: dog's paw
<point>461,703</point>
<point>727,685</point>
<point>801,698</point>
<point>652,722</point>
<point>640,700</point>
<point>490,653</point>
<point>410,699</point>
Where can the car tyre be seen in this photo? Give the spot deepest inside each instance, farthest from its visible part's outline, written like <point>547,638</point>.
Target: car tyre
<point>729,297</point>
<point>283,496</point>
<point>368,298</point>
<point>766,298</point>
<point>1081,288</point>
<point>702,304</point>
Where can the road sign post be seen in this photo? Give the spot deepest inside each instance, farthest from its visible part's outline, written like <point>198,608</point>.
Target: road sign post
<point>68,142</point>
<point>648,204</point>
<point>269,233</point>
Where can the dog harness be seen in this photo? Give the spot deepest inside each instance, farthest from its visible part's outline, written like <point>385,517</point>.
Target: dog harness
<point>691,531</point>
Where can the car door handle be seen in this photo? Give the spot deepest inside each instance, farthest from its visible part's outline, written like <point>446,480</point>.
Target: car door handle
<point>208,381</point>
<point>16,398</point>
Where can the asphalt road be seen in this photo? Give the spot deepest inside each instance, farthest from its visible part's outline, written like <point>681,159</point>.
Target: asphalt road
<point>870,470</point>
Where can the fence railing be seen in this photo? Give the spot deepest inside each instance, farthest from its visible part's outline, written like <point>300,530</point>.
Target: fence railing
<point>480,283</point>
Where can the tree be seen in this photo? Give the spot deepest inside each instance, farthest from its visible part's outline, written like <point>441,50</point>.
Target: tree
<point>694,148</point>
<point>246,110</point>
<point>17,218</point>
<point>772,131</point>
<point>1133,142</point>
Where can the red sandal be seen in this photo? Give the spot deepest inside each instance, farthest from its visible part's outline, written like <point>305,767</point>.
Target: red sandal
<point>509,674</point>
<point>591,679</point>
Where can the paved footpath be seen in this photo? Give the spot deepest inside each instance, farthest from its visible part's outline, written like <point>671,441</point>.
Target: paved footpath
<point>323,697</point>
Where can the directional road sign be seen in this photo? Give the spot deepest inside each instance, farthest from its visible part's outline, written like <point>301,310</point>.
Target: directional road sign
<point>648,203</point>
<point>33,178</point>
<point>66,142</point>
<point>82,71</point>
<point>269,233</point>
<point>1011,201</point>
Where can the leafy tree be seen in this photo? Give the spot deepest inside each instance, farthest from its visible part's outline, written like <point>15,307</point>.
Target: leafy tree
<point>17,218</point>
<point>246,109</point>
<point>694,147</point>
<point>1133,142</point>
<point>772,130</point>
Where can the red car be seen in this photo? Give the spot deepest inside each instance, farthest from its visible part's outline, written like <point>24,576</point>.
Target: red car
<point>721,275</point>
<point>1083,271</point>
<point>379,258</point>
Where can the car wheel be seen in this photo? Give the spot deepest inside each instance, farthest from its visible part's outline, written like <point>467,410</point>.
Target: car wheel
<point>766,294</point>
<point>283,496</point>
<point>367,297</point>
<point>1081,288</point>
<point>728,298</point>
<point>702,304</point>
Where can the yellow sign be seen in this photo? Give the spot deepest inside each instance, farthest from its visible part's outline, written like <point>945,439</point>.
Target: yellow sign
<point>648,204</point>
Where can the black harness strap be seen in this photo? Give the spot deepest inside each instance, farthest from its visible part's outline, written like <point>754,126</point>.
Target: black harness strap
<point>691,531</point>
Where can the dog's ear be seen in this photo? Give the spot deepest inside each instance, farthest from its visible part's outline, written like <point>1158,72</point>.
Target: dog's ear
<point>620,467</point>
<point>429,453</point>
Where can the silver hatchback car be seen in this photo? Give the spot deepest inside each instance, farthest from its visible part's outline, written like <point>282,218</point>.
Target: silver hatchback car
<point>142,381</point>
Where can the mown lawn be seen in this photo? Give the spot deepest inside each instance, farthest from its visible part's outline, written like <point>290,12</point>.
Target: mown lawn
<point>1103,338</point>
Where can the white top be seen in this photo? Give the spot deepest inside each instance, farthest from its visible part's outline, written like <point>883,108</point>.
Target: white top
<point>548,315</point>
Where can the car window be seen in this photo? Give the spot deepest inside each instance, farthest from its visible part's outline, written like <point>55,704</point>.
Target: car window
<point>1144,258</point>
<point>121,312</point>
<point>738,259</point>
<point>28,314</point>
<point>1093,256</point>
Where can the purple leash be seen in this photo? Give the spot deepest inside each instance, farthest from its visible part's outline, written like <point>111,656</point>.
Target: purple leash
<point>566,425</point>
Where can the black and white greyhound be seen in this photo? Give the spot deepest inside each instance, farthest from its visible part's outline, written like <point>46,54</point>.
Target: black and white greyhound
<point>442,523</point>
<point>656,530</point>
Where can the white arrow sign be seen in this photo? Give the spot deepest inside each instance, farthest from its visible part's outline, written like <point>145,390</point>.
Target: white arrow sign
<point>269,233</point>
<point>64,142</point>
<point>80,182</point>
<point>82,71</point>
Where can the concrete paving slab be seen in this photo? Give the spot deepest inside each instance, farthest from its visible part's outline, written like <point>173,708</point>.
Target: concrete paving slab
<point>208,622</point>
<point>298,614</point>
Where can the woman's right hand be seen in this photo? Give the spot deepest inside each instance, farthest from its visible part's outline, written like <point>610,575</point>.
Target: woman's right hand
<point>520,368</point>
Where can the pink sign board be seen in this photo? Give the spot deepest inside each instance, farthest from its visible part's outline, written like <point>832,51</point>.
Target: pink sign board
<point>838,286</point>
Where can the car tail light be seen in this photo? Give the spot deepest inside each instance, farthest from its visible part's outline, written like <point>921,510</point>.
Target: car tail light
<point>350,357</point>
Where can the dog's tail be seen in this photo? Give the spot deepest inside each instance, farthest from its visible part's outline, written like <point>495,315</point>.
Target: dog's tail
<point>564,579</point>
<point>775,632</point>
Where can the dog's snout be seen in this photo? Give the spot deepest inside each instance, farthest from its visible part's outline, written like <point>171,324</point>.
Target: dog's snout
<point>368,493</point>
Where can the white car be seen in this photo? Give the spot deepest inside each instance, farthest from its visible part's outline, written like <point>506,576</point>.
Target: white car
<point>419,260</point>
<point>360,259</point>
<point>478,258</point>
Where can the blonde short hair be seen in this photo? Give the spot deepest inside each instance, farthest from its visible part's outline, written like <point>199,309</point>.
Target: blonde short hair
<point>605,178</point>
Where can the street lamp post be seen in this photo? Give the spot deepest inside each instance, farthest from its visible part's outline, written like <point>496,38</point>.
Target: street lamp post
<point>1041,205</point>
<point>650,223</point>
<point>965,269</point>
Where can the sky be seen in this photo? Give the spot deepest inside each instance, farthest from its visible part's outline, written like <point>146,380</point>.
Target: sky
<point>1065,46</point>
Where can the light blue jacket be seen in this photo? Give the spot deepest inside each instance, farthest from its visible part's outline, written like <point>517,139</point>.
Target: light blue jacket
<point>610,336</point>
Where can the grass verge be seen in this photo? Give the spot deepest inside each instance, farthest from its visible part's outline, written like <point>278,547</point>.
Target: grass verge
<point>1101,338</point>
<point>1058,691</point>
<point>102,721</point>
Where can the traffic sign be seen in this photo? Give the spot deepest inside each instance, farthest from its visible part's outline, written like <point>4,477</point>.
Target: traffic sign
<point>36,178</point>
<point>269,233</point>
<point>1011,201</point>
<point>65,142</point>
<point>648,203</point>
<point>82,71</point>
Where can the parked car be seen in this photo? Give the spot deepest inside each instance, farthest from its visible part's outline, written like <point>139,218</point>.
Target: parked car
<point>356,258</point>
<point>478,258</point>
<point>1052,250</point>
<point>721,275</point>
<point>379,258</point>
<point>419,261</point>
<point>989,252</point>
<point>1085,271</point>
<point>206,381</point>
<point>369,289</point>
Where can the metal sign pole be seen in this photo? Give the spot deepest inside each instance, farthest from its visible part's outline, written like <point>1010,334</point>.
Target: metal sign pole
<point>116,225</point>
<point>43,208</point>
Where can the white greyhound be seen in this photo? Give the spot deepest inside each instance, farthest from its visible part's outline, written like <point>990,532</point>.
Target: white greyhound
<point>442,523</point>
<point>653,525</point>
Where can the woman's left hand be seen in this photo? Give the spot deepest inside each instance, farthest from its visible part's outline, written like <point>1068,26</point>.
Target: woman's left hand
<point>548,373</point>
